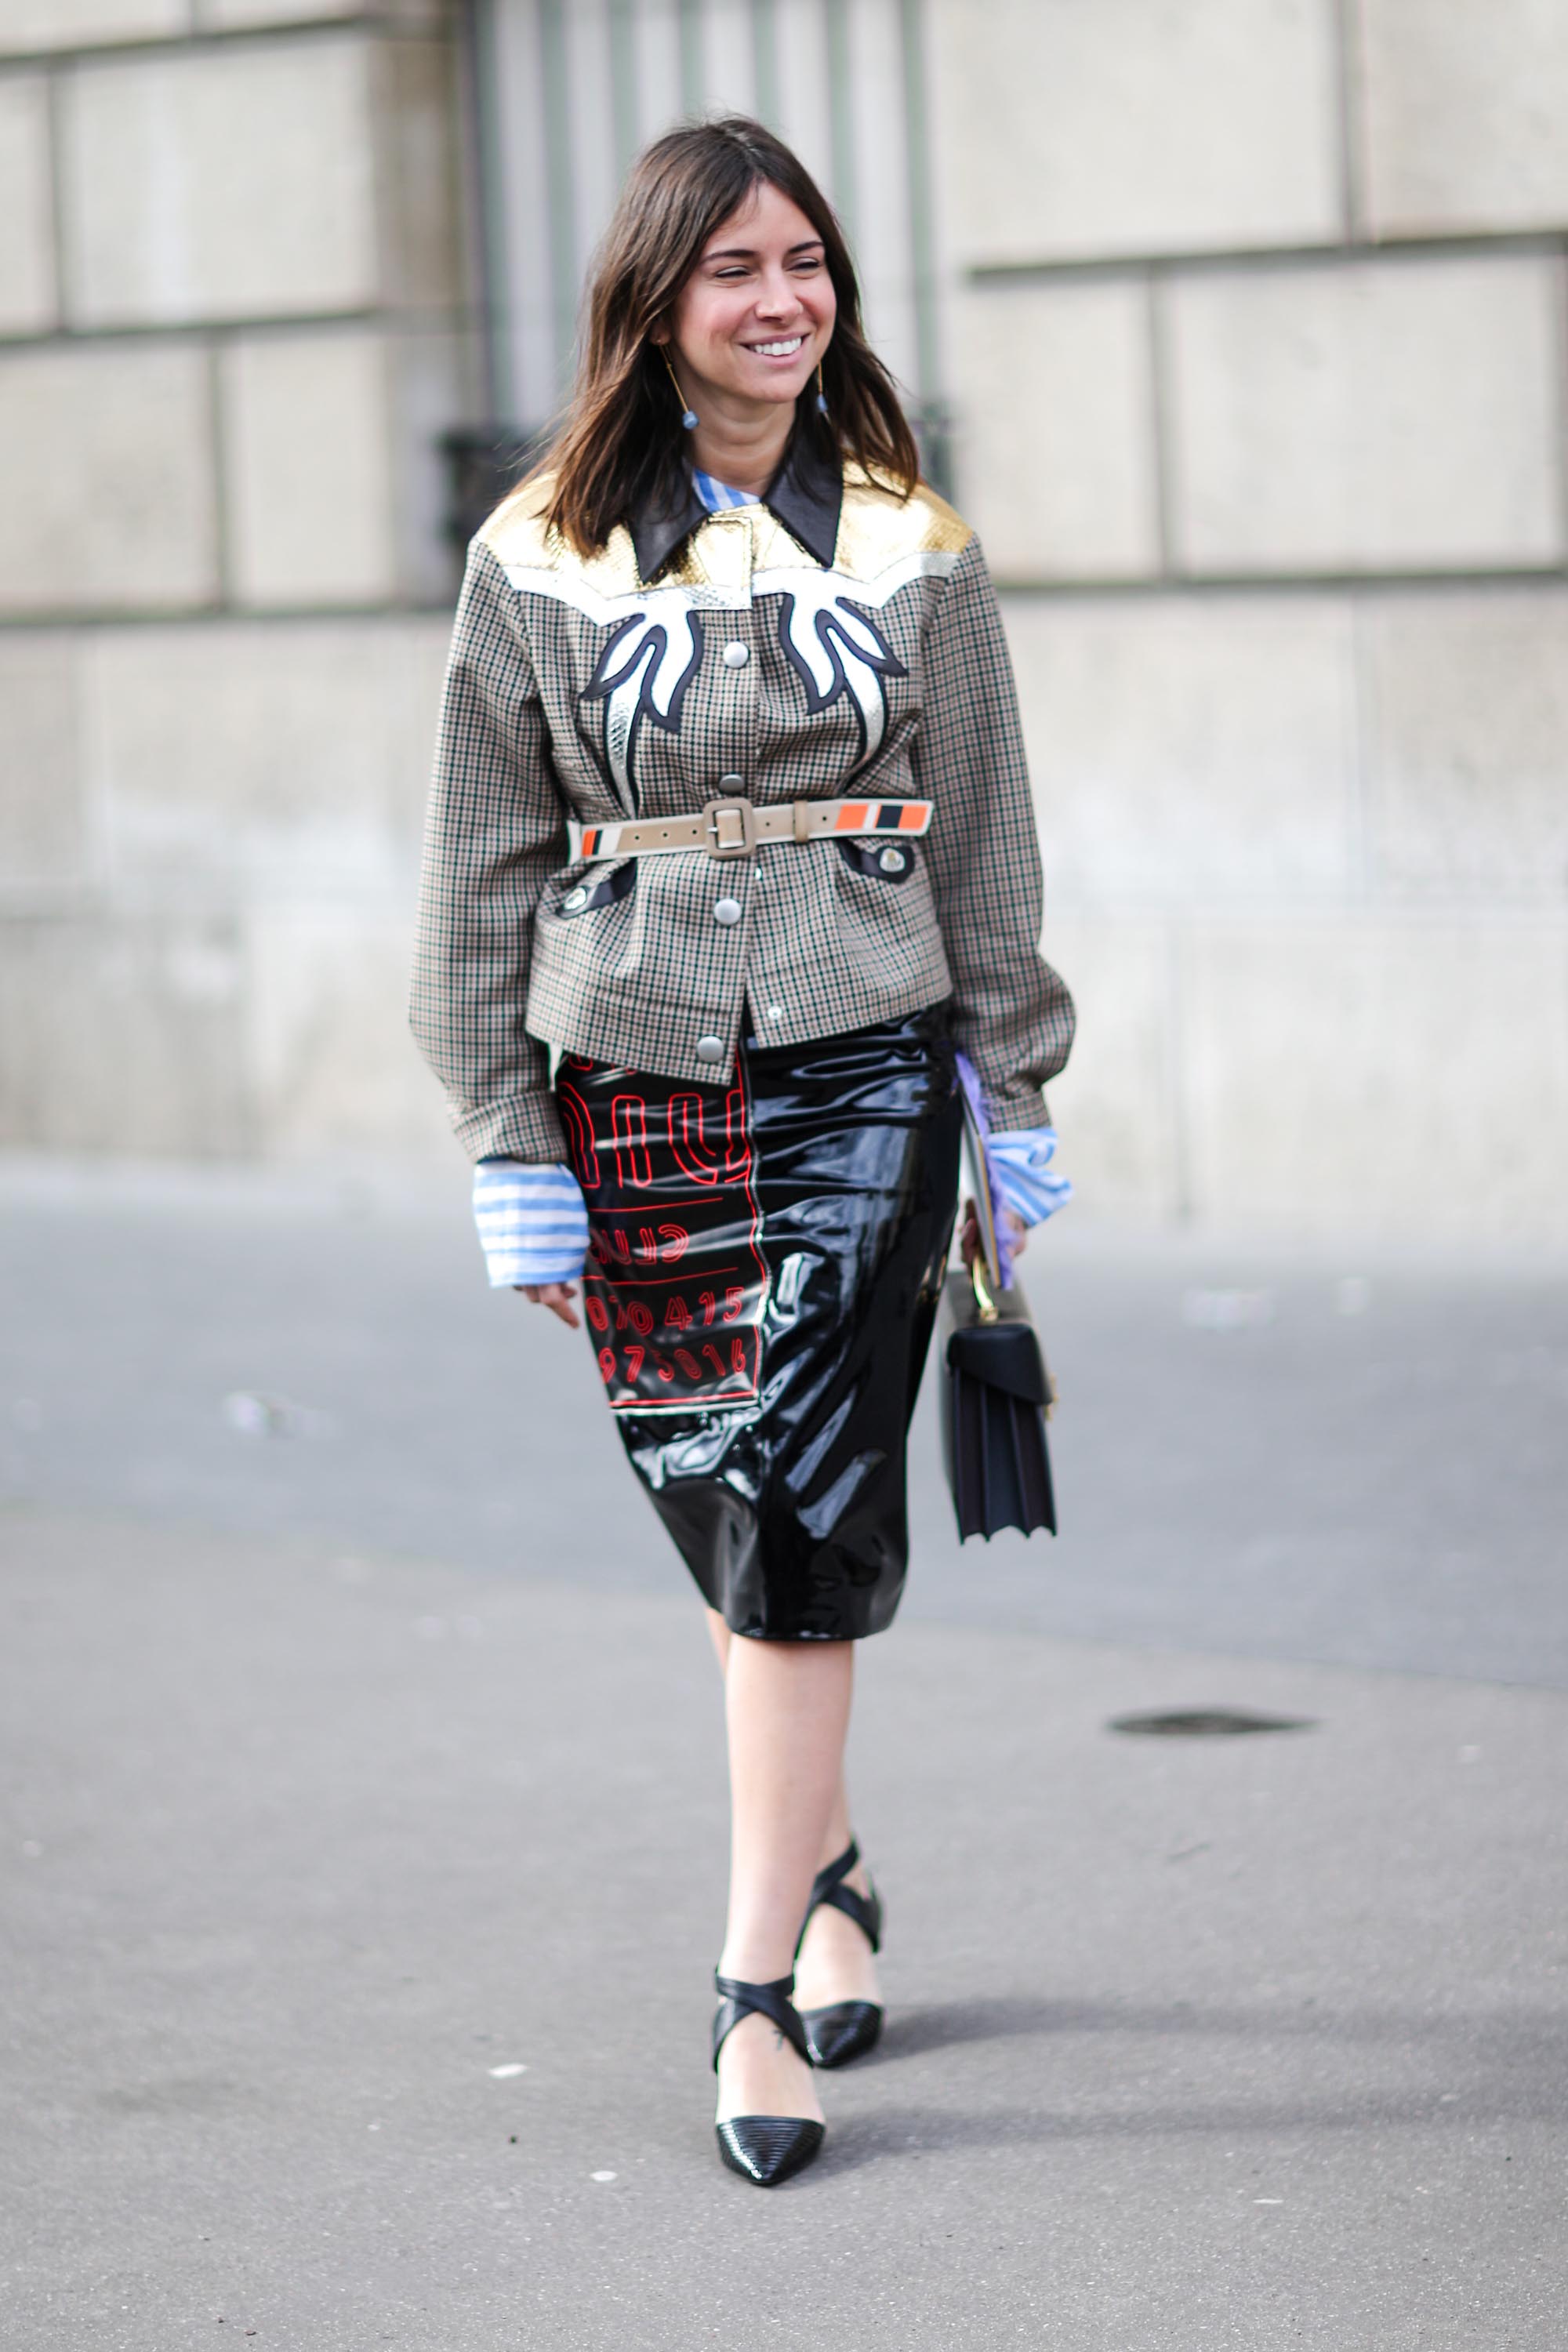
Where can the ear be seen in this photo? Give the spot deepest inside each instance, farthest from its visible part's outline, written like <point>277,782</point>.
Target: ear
<point>660,334</point>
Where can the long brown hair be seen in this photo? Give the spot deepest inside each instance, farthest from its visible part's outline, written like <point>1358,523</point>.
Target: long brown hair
<point>621,438</point>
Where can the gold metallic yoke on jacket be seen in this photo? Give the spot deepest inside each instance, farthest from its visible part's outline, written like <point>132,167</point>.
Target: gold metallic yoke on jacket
<point>877,529</point>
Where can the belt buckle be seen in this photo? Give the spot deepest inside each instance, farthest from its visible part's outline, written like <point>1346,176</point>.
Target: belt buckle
<point>731,827</point>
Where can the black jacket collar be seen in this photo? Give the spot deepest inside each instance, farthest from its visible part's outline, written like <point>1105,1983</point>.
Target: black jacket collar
<point>806,494</point>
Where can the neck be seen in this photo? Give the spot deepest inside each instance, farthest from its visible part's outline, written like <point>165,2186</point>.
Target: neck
<point>741,444</point>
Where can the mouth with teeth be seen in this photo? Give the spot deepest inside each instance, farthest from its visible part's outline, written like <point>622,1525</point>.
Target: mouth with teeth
<point>785,349</point>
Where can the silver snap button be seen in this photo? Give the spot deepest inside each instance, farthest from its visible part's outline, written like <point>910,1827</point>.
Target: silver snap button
<point>775,1013</point>
<point>734,785</point>
<point>573,899</point>
<point>737,656</point>
<point>728,910</point>
<point>892,861</point>
<point>710,1049</point>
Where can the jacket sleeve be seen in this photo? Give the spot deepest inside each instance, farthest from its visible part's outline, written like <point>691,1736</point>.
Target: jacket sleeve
<point>496,831</point>
<point>1013,1015</point>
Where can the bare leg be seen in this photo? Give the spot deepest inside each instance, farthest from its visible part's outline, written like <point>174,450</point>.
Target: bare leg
<point>836,1961</point>
<point>787,1705</point>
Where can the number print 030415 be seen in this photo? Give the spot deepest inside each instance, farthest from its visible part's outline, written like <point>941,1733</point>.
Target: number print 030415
<point>675,1282</point>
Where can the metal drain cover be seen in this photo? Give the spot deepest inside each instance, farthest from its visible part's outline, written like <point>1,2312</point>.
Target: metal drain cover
<point>1206,1723</point>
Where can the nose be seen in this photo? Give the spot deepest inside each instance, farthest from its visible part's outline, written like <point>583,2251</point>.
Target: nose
<point>777,296</point>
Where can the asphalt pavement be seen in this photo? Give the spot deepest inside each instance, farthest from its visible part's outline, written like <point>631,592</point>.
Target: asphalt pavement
<point>365,1848</point>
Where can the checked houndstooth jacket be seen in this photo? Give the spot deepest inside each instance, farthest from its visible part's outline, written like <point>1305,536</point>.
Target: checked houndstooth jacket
<point>830,639</point>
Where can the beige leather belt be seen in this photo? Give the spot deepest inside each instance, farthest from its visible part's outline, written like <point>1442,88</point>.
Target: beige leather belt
<point>734,828</point>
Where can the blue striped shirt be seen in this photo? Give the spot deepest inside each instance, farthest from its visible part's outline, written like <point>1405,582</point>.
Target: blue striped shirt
<point>715,495</point>
<point>533,1226</point>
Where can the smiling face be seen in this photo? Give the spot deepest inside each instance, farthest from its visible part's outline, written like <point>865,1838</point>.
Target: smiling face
<point>756,313</point>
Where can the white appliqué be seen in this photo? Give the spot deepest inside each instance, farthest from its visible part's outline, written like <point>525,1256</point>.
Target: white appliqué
<point>655,650</point>
<point>834,647</point>
<point>643,674</point>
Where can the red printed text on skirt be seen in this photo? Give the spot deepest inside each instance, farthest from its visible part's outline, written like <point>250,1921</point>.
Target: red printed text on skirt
<point>675,1283</point>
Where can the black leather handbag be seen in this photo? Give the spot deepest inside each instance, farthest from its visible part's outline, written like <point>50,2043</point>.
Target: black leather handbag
<point>996,1393</point>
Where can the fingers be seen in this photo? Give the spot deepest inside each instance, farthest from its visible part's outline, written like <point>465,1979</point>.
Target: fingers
<point>969,1233</point>
<point>557,1297</point>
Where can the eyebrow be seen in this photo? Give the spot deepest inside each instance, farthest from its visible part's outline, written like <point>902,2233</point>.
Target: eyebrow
<point>749,252</point>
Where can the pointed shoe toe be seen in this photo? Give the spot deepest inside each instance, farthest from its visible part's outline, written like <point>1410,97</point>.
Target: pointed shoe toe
<point>847,2029</point>
<point>768,2148</point>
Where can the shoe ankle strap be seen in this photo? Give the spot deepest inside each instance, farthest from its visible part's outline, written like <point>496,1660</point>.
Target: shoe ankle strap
<point>829,1876</point>
<point>737,2000</point>
<point>828,1889</point>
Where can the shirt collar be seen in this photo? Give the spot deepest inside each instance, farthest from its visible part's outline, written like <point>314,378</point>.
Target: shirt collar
<point>806,495</point>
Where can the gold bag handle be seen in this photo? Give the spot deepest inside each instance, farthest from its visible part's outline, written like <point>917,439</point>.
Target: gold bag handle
<point>986,1304</point>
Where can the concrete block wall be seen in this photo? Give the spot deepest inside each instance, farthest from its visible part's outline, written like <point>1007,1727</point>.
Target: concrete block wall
<point>233,319</point>
<point>1257,338</point>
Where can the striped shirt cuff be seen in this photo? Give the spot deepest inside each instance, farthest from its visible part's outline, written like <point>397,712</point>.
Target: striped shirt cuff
<point>533,1226</point>
<point>1020,1161</point>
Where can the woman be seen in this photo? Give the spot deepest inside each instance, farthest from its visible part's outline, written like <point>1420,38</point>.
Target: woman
<point>730,640</point>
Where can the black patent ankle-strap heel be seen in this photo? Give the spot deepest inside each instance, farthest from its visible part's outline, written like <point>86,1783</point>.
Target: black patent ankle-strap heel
<point>846,2028</point>
<point>764,2148</point>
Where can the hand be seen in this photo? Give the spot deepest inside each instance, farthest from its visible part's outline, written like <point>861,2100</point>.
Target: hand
<point>969,1233</point>
<point>557,1295</point>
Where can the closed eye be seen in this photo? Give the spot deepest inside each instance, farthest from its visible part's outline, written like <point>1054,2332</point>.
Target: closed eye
<point>742,265</point>
<point>731,274</point>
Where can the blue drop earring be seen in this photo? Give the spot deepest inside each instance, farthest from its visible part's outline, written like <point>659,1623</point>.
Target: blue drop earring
<point>821,395</point>
<point>688,417</point>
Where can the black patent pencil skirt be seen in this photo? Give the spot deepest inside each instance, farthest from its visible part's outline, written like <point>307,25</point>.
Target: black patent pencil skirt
<point>765,1257</point>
